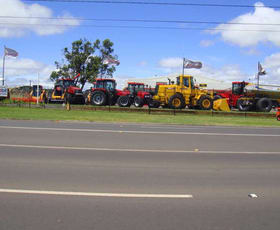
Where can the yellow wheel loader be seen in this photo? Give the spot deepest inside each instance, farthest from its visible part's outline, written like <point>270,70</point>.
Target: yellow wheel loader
<point>183,93</point>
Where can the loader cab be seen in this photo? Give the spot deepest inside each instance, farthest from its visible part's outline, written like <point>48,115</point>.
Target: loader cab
<point>66,83</point>
<point>238,87</point>
<point>186,81</point>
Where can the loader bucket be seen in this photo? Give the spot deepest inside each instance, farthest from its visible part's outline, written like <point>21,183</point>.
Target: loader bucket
<point>221,105</point>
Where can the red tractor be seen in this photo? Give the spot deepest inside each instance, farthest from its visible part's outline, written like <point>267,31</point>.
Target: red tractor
<point>103,92</point>
<point>135,93</point>
<point>66,90</point>
<point>244,99</point>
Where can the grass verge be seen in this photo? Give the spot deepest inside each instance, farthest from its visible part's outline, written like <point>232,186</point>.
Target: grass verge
<point>106,116</point>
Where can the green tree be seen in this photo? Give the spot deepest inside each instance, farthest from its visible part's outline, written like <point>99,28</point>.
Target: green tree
<point>85,58</point>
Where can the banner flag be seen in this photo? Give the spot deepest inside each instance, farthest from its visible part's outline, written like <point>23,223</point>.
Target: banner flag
<point>188,64</point>
<point>10,52</point>
<point>110,61</point>
<point>261,70</point>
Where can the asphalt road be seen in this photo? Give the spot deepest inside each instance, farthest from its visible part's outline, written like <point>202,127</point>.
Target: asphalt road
<point>70,175</point>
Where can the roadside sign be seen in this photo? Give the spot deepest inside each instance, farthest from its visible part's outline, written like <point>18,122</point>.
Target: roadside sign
<point>3,91</point>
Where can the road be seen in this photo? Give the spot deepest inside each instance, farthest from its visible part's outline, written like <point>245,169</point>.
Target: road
<point>71,175</point>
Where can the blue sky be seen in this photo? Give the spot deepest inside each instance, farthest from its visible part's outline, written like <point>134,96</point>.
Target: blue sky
<point>228,54</point>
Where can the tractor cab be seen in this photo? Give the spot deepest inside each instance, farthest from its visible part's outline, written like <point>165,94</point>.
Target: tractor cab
<point>238,87</point>
<point>63,84</point>
<point>106,84</point>
<point>135,87</point>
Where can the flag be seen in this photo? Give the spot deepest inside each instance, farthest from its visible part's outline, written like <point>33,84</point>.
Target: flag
<point>188,64</point>
<point>10,52</point>
<point>261,70</point>
<point>110,61</point>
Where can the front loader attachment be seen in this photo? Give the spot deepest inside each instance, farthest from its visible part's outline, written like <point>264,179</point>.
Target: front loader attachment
<point>221,105</point>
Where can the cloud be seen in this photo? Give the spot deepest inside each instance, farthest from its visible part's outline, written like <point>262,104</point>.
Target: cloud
<point>28,18</point>
<point>272,66</point>
<point>251,35</point>
<point>22,71</point>
<point>206,43</point>
<point>226,73</point>
<point>171,62</point>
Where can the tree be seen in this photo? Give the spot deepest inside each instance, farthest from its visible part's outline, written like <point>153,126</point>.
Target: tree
<point>87,59</point>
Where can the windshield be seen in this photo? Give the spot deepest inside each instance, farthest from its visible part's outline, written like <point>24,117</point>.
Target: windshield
<point>237,88</point>
<point>109,85</point>
<point>135,87</point>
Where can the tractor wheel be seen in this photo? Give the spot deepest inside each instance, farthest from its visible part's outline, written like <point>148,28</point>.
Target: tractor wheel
<point>205,103</point>
<point>264,105</point>
<point>98,98</point>
<point>124,101</point>
<point>176,102</point>
<point>154,104</point>
<point>138,102</point>
<point>243,105</point>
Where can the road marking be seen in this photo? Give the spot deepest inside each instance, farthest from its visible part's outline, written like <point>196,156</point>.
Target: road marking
<point>142,132</point>
<point>197,151</point>
<point>92,194</point>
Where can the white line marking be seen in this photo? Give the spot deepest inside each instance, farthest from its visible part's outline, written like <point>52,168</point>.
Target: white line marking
<point>133,150</point>
<point>93,194</point>
<point>142,132</point>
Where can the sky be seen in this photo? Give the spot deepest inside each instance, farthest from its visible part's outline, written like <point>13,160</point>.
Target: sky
<point>229,47</point>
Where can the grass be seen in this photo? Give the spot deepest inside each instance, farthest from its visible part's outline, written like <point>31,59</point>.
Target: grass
<point>21,113</point>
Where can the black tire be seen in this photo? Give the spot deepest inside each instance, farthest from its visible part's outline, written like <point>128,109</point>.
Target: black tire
<point>264,105</point>
<point>154,104</point>
<point>243,105</point>
<point>138,102</point>
<point>205,103</point>
<point>124,101</point>
<point>176,102</point>
<point>98,98</point>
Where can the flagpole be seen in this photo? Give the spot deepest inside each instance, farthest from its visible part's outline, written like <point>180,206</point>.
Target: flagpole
<point>183,66</point>
<point>38,90</point>
<point>3,68</point>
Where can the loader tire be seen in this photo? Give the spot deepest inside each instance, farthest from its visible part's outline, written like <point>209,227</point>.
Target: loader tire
<point>176,102</point>
<point>264,105</point>
<point>124,101</point>
<point>205,103</point>
<point>98,98</point>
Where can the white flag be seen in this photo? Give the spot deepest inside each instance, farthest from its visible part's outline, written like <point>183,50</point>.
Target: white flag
<point>10,52</point>
<point>110,61</point>
<point>188,64</point>
<point>261,70</point>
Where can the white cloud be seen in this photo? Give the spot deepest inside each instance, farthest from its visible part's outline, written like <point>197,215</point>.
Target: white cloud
<point>272,66</point>
<point>28,18</point>
<point>250,35</point>
<point>22,71</point>
<point>171,62</point>
<point>227,73</point>
<point>206,43</point>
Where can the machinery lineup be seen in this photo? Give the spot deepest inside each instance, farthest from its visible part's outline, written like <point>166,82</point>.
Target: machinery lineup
<point>183,93</point>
